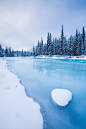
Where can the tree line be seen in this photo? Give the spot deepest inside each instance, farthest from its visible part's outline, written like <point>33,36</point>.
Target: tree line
<point>7,52</point>
<point>73,46</point>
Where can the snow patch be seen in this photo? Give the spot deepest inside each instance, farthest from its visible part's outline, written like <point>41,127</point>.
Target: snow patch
<point>17,111</point>
<point>61,96</point>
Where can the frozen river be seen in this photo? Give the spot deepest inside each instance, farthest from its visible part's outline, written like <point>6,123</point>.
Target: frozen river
<point>41,76</point>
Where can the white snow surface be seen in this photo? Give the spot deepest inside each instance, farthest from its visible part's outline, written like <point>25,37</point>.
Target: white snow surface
<point>17,111</point>
<point>82,57</point>
<point>61,96</point>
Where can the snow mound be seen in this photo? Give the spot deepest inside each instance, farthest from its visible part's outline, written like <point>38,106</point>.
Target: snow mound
<point>61,96</point>
<point>17,111</point>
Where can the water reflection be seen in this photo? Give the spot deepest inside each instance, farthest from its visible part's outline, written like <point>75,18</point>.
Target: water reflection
<point>63,69</point>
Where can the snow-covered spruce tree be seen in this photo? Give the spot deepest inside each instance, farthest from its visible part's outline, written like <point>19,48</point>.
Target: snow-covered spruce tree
<point>6,52</point>
<point>37,49</point>
<point>17,53</point>
<point>71,46</point>
<point>62,40</point>
<point>45,49</point>
<point>1,51</point>
<point>41,46</point>
<point>53,46</point>
<point>12,53</point>
<point>83,37</point>
<point>78,45</point>
<point>9,52</point>
<point>56,46</point>
<point>64,45</point>
<point>81,48</point>
<point>48,44</point>
<point>34,52</point>
<point>22,53</point>
<point>68,46</point>
<point>85,47</point>
<point>76,42</point>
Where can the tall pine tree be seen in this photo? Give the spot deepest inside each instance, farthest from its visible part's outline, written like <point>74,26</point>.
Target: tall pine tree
<point>62,40</point>
<point>48,43</point>
<point>0,50</point>
<point>83,37</point>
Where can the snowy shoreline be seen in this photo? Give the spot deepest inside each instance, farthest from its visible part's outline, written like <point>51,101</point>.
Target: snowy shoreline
<point>17,110</point>
<point>83,57</point>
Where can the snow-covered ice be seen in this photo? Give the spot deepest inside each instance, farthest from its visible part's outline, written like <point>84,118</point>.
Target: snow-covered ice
<point>61,96</point>
<point>17,111</point>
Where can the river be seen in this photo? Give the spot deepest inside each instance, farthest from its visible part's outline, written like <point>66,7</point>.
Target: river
<point>41,76</point>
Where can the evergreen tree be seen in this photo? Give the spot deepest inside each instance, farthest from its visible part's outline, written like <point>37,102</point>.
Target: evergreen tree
<point>53,46</point>
<point>41,45</point>
<point>22,53</point>
<point>38,48</point>
<point>34,52</point>
<point>83,37</point>
<point>6,52</point>
<point>48,44</point>
<point>12,53</point>
<point>64,46</point>
<point>56,42</point>
<point>59,46</point>
<point>9,52</point>
<point>80,44</point>
<point>62,40</point>
<point>0,51</point>
<point>70,46</point>
<point>3,52</point>
<point>45,49</point>
<point>76,44</point>
<point>17,53</point>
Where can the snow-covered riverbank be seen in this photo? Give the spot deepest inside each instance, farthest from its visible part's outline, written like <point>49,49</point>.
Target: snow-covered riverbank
<point>17,111</point>
<point>63,57</point>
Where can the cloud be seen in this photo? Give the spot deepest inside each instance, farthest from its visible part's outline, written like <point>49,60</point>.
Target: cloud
<point>23,22</point>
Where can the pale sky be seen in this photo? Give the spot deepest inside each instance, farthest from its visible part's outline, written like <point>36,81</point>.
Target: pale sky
<point>23,22</point>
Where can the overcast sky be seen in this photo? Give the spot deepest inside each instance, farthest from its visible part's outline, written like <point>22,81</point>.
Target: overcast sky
<point>23,22</point>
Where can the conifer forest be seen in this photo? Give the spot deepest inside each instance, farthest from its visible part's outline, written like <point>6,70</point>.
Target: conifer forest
<point>73,46</point>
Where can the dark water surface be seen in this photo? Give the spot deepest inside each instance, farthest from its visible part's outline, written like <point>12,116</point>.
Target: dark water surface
<point>41,76</point>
